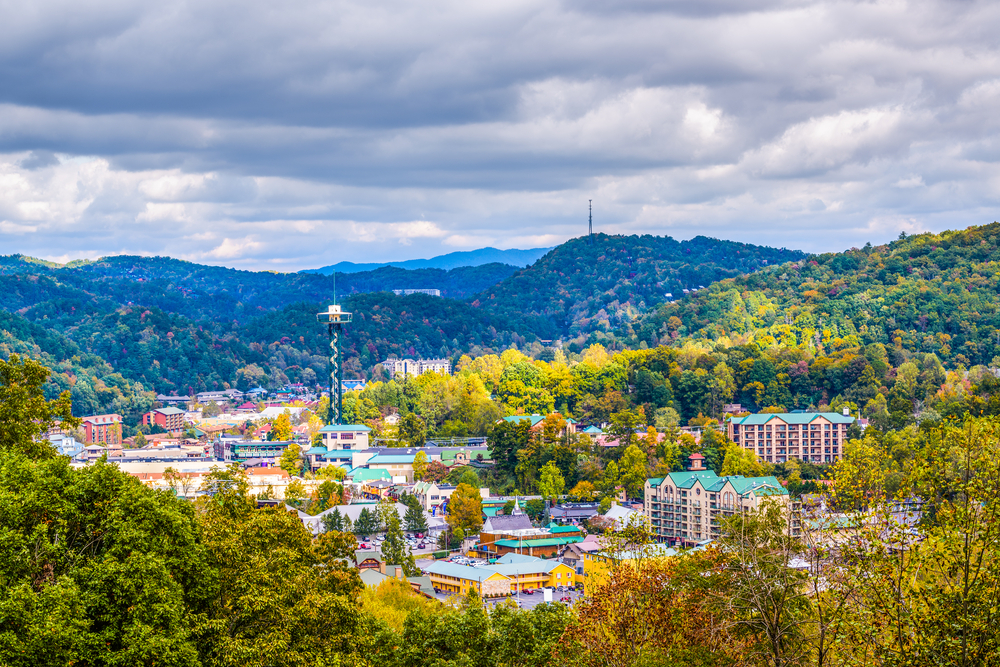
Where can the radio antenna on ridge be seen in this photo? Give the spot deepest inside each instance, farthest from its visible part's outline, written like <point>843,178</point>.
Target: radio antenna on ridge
<point>590,203</point>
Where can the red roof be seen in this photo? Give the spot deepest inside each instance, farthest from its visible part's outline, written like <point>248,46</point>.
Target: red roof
<point>697,456</point>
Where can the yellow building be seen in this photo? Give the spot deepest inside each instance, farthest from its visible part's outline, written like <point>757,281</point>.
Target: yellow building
<point>507,576</point>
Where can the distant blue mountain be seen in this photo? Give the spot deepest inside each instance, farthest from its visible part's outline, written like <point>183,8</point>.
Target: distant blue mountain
<point>452,260</point>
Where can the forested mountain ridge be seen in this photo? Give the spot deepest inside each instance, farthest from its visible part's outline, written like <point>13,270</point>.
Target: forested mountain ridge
<point>928,293</point>
<point>451,260</point>
<point>581,286</point>
<point>207,292</point>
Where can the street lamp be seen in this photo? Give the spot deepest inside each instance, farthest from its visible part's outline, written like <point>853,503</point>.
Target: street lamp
<point>334,318</point>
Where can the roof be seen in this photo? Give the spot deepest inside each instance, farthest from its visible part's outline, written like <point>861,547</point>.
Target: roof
<point>506,523</point>
<point>759,486</point>
<point>539,542</point>
<point>366,475</point>
<point>593,430</point>
<point>532,419</point>
<point>516,558</point>
<point>564,529</point>
<point>446,569</point>
<point>390,459</point>
<point>170,410</point>
<point>338,428</point>
<point>792,418</point>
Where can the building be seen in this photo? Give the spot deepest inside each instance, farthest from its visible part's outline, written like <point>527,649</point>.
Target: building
<point>684,508</point>
<point>514,534</point>
<point>172,400</point>
<point>103,429</point>
<point>817,437</point>
<point>598,563</point>
<point>394,366</point>
<point>397,465</point>
<point>345,436</point>
<point>407,292</point>
<point>537,423</point>
<point>506,576</point>
<point>170,419</point>
<point>432,495</point>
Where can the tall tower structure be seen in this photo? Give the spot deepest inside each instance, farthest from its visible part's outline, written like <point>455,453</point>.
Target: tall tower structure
<point>335,318</point>
<point>590,232</point>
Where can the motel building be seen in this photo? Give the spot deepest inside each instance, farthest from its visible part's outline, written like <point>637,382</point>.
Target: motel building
<point>510,574</point>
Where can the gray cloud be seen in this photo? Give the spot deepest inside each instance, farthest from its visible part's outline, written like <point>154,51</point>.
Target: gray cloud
<point>241,134</point>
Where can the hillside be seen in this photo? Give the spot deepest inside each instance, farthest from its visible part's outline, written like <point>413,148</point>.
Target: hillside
<point>60,295</point>
<point>452,260</point>
<point>581,287</point>
<point>929,293</point>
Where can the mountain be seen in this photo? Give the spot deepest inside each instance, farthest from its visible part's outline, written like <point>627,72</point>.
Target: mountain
<point>583,286</point>
<point>928,293</point>
<point>452,260</point>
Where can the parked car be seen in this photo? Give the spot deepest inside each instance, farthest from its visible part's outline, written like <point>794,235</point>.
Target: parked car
<point>528,592</point>
<point>566,599</point>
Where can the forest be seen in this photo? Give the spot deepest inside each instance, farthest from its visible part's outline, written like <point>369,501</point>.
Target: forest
<point>98,569</point>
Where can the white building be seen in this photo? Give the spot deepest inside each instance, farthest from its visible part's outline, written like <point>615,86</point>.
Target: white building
<point>414,367</point>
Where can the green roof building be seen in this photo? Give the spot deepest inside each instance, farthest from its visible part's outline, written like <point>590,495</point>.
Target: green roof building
<point>817,437</point>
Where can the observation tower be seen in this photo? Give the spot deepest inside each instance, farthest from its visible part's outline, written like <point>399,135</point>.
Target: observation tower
<point>335,318</point>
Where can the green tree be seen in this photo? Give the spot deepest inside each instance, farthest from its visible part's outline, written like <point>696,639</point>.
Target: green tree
<point>633,472</point>
<point>419,466</point>
<point>395,550</point>
<point>623,426</point>
<point>465,509</point>
<point>415,520</point>
<point>412,430</point>
<point>333,520</point>
<point>551,484</point>
<point>367,524</point>
<point>505,440</point>
<point>290,460</point>
<point>25,414</point>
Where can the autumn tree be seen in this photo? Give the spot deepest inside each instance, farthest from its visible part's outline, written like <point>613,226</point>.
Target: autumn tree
<point>551,483</point>
<point>465,509</point>
<point>419,466</point>
<point>281,428</point>
<point>290,460</point>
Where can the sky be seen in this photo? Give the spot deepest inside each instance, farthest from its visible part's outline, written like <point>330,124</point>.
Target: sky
<point>291,135</point>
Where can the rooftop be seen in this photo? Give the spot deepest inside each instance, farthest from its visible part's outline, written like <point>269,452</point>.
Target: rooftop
<point>792,418</point>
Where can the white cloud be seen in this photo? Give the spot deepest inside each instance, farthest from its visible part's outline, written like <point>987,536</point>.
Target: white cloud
<point>229,133</point>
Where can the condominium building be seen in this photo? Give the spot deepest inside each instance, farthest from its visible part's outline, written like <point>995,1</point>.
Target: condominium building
<point>817,437</point>
<point>103,429</point>
<point>685,507</point>
<point>170,418</point>
<point>394,366</point>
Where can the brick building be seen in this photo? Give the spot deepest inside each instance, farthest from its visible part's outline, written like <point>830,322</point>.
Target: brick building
<point>103,429</point>
<point>170,419</point>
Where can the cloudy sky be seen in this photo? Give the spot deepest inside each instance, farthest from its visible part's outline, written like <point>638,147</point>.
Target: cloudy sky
<point>294,134</point>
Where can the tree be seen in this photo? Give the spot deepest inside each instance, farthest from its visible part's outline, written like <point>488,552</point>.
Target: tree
<point>436,472</point>
<point>584,491</point>
<point>416,522</point>
<point>419,465</point>
<point>24,413</point>
<point>395,550</point>
<point>624,424</point>
<point>333,520</point>
<point>632,471</point>
<point>505,439</point>
<point>140,439</point>
<point>412,430</point>
<point>366,525</point>
<point>211,410</point>
<point>551,485</point>
<point>384,513</point>
<point>762,595</point>
<point>290,460</point>
<point>295,491</point>
<point>281,428</point>
<point>741,461</point>
<point>465,509</point>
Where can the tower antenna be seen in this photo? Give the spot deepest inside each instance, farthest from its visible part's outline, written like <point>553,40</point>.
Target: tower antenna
<point>590,203</point>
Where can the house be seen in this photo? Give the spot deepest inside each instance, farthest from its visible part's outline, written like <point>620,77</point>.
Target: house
<point>513,533</point>
<point>431,495</point>
<point>353,385</point>
<point>103,429</point>
<point>537,422</point>
<point>618,515</point>
<point>817,437</point>
<point>163,399</point>
<point>169,419</point>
